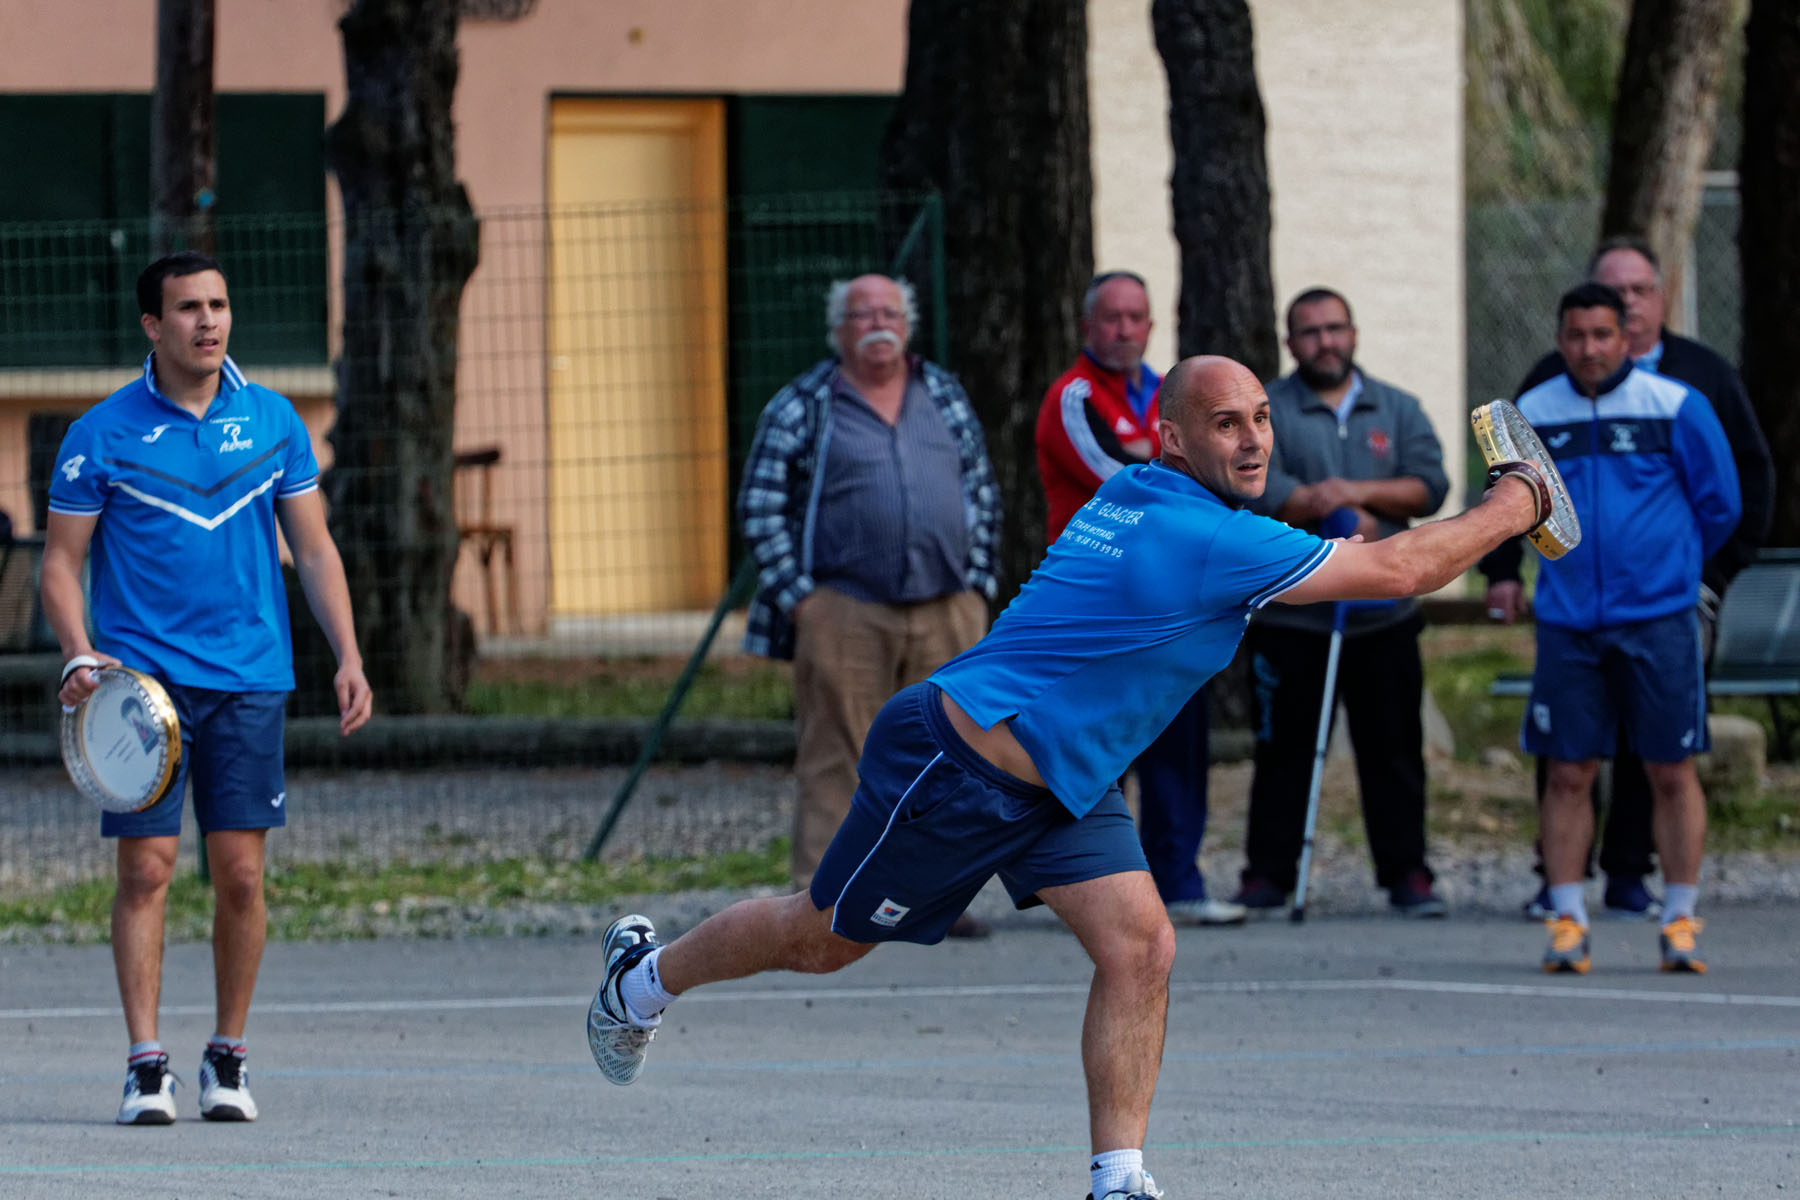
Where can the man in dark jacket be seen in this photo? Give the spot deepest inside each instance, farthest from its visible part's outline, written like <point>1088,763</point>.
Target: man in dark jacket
<point>1629,266</point>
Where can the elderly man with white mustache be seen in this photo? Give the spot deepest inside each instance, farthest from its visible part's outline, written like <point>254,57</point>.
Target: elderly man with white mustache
<point>871,507</point>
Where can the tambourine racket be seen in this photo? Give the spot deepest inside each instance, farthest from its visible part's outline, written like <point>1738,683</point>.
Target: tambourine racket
<point>1505,438</point>
<point>123,743</point>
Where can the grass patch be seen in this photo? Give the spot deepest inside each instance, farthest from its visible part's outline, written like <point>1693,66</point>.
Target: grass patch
<point>342,899</point>
<point>1461,661</point>
<point>741,688</point>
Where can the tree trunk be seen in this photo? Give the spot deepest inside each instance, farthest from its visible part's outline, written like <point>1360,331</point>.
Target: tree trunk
<point>1769,181</point>
<point>1221,181</point>
<point>182,149</point>
<point>411,242</point>
<point>994,117</point>
<point>1662,129</point>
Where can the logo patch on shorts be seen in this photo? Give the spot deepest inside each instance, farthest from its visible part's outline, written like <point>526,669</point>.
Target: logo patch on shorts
<point>889,914</point>
<point>1540,716</point>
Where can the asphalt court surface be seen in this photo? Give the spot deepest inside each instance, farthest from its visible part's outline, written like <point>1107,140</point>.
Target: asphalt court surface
<point>1347,1057</point>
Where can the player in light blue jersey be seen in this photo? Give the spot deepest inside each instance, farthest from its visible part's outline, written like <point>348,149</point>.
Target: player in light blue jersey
<point>1006,761</point>
<point>173,486</point>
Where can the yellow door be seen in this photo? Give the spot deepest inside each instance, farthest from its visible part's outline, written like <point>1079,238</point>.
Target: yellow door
<point>637,356</point>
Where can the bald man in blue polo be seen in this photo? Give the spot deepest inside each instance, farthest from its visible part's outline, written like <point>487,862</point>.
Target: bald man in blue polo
<point>1006,760</point>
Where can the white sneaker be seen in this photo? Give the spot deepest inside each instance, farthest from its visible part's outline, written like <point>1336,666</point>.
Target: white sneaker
<point>225,1087</point>
<point>149,1093</point>
<point>1206,912</point>
<point>1139,1187</point>
<point>619,1043</point>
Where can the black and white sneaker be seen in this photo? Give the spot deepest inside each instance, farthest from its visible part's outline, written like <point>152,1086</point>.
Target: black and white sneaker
<point>149,1093</point>
<point>225,1087</point>
<point>619,1043</point>
<point>1139,1187</point>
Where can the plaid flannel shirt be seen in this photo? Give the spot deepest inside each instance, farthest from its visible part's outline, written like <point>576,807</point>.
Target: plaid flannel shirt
<point>779,497</point>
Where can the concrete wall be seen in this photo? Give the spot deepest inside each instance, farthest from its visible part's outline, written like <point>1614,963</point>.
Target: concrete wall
<point>1364,107</point>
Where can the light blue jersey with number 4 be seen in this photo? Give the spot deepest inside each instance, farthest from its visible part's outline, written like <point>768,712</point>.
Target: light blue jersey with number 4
<point>1142,599</point>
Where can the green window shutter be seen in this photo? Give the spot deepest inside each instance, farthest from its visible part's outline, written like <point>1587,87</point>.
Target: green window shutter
<point>74,226</point>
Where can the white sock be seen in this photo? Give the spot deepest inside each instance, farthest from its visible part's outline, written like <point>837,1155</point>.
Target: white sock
<point>1570,900</point>
<point>1110,1171</point>
<point>642,990</point>
<point>1679,900</point>
<point>143,1052</point>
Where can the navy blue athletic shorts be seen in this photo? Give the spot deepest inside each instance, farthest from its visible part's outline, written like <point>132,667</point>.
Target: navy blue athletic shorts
<point>1648,674</point>
<point>932,822</point>
<point>231,749</point>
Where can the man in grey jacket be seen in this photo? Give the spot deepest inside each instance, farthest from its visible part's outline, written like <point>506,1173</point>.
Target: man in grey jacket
<point>1343,440</point>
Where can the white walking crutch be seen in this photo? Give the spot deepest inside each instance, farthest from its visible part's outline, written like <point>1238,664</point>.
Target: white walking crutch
<point>1298,913</point>
<point>1340,522</point>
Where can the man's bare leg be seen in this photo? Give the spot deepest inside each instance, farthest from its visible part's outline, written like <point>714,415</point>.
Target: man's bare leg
<point>1679,819</point>
<point>240,921</point>
<point>783,933</point>
<point>146,865</point>
<point>1125,929</point>
<point>1568,820</point>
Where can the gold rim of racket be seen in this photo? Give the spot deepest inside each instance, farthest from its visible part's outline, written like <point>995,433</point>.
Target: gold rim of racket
<point>162,711</point>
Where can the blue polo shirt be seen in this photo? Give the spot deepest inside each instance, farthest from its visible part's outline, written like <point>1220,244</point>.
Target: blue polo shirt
<point>1142,599</point>
<point>185,572</point>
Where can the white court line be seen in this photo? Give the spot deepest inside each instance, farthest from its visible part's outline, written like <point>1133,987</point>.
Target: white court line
<point>953,991</point>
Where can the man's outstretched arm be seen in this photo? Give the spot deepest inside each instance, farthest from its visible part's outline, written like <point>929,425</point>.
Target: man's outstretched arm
<point>1424,559</point>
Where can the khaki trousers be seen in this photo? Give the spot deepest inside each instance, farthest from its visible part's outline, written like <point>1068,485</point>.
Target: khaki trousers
<point>849,658</point>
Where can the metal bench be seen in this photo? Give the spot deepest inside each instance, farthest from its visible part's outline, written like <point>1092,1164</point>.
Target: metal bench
<point>1756,648</point>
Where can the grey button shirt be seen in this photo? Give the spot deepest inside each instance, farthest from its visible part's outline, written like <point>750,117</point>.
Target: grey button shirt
<point>891,527</point>
<point>1386,435</point>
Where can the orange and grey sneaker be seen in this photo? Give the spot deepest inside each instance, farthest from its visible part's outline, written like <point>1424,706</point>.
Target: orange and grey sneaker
<point>1568,949</point>
<point>1679,950</point>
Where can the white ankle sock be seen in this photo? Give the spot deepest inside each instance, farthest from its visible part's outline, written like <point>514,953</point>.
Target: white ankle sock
<point>143,1051</point>
<point>642,990</point>
<point>1679,900</point>
<point>1110,1170</point>
<point>1570,900</point>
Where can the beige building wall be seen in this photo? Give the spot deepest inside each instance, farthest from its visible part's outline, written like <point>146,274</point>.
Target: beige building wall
<point>1364,107</point>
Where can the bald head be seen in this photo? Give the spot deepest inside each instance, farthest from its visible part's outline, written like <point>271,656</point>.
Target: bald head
<point>1192,381</point>
<point>1214,422</point>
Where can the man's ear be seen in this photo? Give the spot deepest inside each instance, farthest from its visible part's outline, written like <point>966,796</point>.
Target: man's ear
<point>1169,434</point>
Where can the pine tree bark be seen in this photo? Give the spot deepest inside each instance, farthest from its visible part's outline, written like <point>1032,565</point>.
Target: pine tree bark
<point>1220,183</point>
<point>183,146</point>
<point>1662,128</point>
<point>1769,241</point>
<point>411,242</point>
<point>994,117</point>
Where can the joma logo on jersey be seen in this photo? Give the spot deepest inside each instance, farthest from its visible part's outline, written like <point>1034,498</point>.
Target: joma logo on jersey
<point>234,440</point>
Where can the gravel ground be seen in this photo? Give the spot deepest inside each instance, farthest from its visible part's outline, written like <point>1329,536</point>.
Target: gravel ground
<point>370,817</point>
